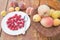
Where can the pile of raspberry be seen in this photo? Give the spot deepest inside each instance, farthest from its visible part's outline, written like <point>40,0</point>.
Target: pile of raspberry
<point>15,22</point>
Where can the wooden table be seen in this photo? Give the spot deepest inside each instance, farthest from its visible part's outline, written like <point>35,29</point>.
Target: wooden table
<point>32,33</point>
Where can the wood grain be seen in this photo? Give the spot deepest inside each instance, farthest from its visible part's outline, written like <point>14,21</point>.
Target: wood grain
<point>32,3</point>
<point>47,32</point>
<point>2,7</point>
<point>31,33</point>
<point>55,4</point>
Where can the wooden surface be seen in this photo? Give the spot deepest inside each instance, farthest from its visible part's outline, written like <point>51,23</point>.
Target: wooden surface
<point>55,4</point>
<point>48,32</point>
<point>32,33</point>
<point>2,7</point>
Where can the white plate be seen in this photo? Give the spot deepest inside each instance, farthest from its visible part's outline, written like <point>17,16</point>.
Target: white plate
<point>19,31</point>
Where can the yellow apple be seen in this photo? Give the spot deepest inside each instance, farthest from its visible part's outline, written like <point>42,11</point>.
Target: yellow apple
<point>11,9</point>
<point>51,12</point>
<point>17,9</point>
<point>56,14</point>
<point>36,18</point>
<point>3,13</point>
<point>56,22</point>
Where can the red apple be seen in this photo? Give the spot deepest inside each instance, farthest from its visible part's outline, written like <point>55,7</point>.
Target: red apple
<point>47,21</point>
<point>22,5</point>
<point>29,10</point>
<point>13,4</point>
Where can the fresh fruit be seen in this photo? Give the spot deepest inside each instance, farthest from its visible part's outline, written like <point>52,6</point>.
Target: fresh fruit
<point>22,5</point>
<point>56,22</point>
<point>29,10</point>
<point>56,14</point>
<point>11,9</point>
<point>3,13</point>
<point>43,10</point>
<point>47,22</point>
<point>36,18</point>
<point>17,8</point>
<point>51,12</point>
<point>59,14</point>
<point>15,22</point>
<point>13,3</point>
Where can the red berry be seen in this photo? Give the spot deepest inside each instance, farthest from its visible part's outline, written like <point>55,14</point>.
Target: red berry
<point>15,22</point>
<point>10,27</point>
<point>22,19</point>
<point>13,28</point>
<point>18,17</point>
<point>8,22</point>
<point>10,18</point>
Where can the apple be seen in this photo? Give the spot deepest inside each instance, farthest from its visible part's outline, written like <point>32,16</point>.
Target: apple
<point>22,5</point>
<point>36,18</point>
<point>51,12</point>
<point>47,22</point>
<point>17,8</point>
<point>59,14</point>
<point>43,10</point>
<point>29,10</point>
<point>13,3</point>
<point>11,9</point>
<point>56,14</point>
<point>56,22</point>
<point>3,13</point>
